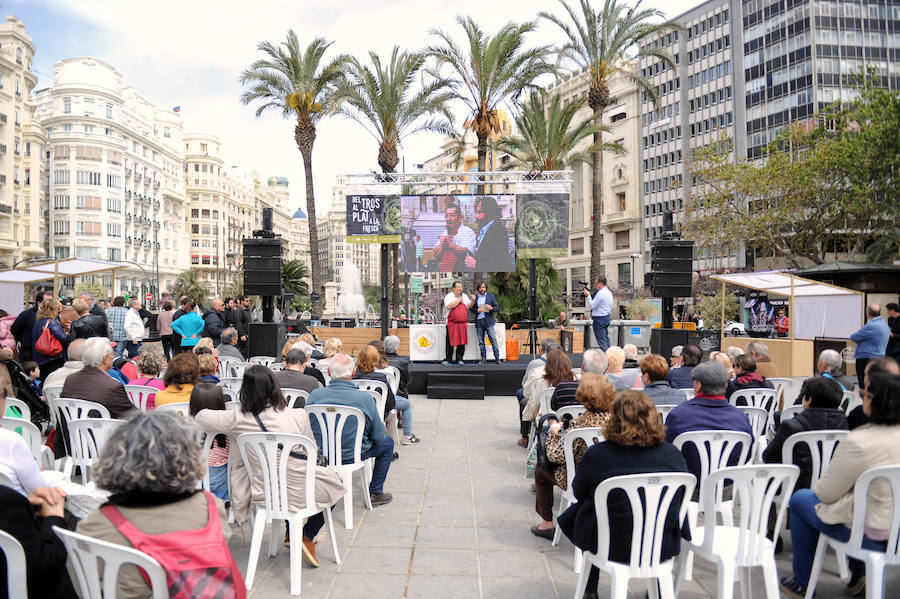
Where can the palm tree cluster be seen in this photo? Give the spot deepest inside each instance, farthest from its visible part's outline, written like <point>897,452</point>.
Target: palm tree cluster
<point>413,91</point>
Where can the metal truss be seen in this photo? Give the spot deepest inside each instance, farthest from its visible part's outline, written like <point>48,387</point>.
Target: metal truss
<point>452,179</point>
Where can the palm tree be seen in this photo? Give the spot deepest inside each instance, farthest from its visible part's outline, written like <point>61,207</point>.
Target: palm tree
<point>383,100</point>
<point>492,69</point>
<point>511,289</point>
<point>293,277</point>
<point>188,284</point>
<point>549,133</point>
<point>602,45</point>
<point>885,248</point>
<point>302,85</point>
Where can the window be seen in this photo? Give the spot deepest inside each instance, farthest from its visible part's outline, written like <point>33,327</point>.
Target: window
<point>59,253</point>
<point>60,177</point>
<point>203,148</point>
<point>166,132</point>
<point>109,110</point>
<point>89,129</point>
<point>114,229</point>
<point>61,227</point>
<point>61,202</point>
<point>67,105</point>
<point>113,254</point>
<point>623,240</point>
<point>87,203</point>
<point>577,244</point>
<point>88,153</point>
<point>114,181</point>
<point>621,199</point>
<point>624,272</point>
<point>87,178</point>
<point>114,205</point>
<point>88,252</point>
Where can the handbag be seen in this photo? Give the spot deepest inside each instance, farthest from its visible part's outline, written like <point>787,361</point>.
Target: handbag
<point>543,462</point>
<point>47,343</point>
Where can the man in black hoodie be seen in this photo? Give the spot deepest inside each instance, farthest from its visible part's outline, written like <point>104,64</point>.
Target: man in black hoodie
<point>214,319</point>
<point>22,326</point>
<point>95,309</point>
<point>88,325</point>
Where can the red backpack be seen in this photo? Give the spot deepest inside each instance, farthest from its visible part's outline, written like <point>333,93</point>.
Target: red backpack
<point>197,562</point>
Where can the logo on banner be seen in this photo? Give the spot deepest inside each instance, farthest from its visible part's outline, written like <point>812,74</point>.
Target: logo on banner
<point>426,342</point>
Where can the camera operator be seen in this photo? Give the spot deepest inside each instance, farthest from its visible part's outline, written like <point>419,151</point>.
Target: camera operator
<point>601,305</point>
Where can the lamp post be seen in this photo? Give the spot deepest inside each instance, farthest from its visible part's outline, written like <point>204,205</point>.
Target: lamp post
<point>633,257</point>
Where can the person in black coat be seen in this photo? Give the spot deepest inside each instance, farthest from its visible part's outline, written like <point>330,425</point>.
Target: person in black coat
<point>821,397</point>
<point>391,347</point>
<point>492,248</point>
<point>214,321</point>
<point>22,327</point>
<point>635,444</point>
<point>95,309</point>
<point>31,520</point>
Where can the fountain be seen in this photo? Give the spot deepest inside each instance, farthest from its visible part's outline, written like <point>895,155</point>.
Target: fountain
<point>350,300</point>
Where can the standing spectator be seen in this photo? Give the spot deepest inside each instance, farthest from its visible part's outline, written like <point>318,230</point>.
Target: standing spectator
<point>228,346</point>
<point>182,373</point>
<point>746,376</point>
<point>759,351</point>
<point>87,325</point>
<point>871,340</point>
<point>680,378</point>
<point>654,371</point>
<point>95,309</point>
<point>94,383</point>
<point>6,337</point>
<point>184,306</point>
<point>46,318</point>
<point>134,328</point>
<point>293,377</point>
<point>228,313</point>
<point>214,321</point>
<point>484,307</point>
<point>893,348</point>
<point>170,343</point>
<point>116,318</point>
<point>829,365</point>
<point>73,364</point>
<point>23,326</point>
<point>601,304</point>
<point>401,363</point>
<point>188,326</point>
<point>456,311</point>
<point>242,324</point>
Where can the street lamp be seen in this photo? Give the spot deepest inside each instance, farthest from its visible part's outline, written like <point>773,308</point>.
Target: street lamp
<point>633,257</point>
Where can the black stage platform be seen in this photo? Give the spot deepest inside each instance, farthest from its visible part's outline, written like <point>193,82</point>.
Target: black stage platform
<point>499,379</point>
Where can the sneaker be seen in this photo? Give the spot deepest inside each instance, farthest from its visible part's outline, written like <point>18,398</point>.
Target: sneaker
<point>857,585</point>
<point>309,552</point>
<point>446,363</point>
<point>792,588</point>
<point>460,363</point>
<point>409,439</point>
<point>380,498</point>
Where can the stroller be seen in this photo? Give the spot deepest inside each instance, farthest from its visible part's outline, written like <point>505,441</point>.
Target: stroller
<point>24,390</point>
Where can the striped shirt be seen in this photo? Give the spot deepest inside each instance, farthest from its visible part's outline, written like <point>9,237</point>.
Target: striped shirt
<point>218,456</point>
<point>564,395</point>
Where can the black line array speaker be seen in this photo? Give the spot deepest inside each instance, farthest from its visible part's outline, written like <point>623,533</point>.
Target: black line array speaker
<point>663,340</point>
<point>671,262</point>
<point>262,266</point>
<point>266,338</point>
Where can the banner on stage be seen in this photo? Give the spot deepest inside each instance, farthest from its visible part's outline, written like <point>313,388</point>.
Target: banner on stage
<point>542,225</point>
<point>373,218</point>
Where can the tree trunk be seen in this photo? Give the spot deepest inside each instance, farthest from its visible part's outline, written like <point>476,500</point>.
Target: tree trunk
<point>597,201</point>
<point>482,157</point>
<point>388,161</point>
<point>305,136</point>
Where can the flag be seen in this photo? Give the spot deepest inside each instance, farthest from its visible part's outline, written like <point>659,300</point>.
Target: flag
<point>176,109</point>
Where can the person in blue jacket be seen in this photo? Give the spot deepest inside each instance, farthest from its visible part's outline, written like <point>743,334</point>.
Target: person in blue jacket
<point>189,326</point>
<point>484,307</point>
<point>871,341</point>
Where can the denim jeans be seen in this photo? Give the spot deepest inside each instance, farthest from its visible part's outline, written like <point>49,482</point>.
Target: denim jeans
<point>404,406</point>
<point>131,348</point>
<point>383,454</point>
<point>805,528</point>
<point>601,331</point>
<point>120,347</point>
<point>480,330</point>
<point>218,481</point>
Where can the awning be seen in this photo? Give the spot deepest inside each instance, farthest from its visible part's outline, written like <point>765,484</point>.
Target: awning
<point>67,267</point>
<point>783,283</point>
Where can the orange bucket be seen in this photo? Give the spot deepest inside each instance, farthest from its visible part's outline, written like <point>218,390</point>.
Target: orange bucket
<point>512,349</point>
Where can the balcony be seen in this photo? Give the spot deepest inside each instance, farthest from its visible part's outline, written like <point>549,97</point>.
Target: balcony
<point>137,176</point>
<point>156,185</point>
<point>127,172</point>
<point>5,209</point>
<point>3,119</point>
<point>128,217</point>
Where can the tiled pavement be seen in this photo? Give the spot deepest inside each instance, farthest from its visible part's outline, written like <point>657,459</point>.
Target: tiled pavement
<point>458,525</point>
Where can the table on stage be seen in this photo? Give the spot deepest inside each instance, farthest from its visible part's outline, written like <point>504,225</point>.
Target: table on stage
<point>428,342</point>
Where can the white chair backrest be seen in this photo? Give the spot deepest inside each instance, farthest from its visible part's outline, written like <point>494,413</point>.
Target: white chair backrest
<point>331,420</point>
<point>651,497</point>
<point>276,366</point>
<point>849,400</point>
<point>664,410</point>
<point>790,411</point>
<point>233,383</point>
<point>758,418</point>
<point>291,396</point>
<point>755,488</point>
<point>889,475</point>
<point>271,452</point>
<point>205,445</point>
<point>821,445</point>
<point>573,412</point>
<point>715,448</point>
<point>263,360</point>
<point>236,369</point>
<point>16,586</point>
<point>51,393</point>
<point>222,368</point>
<point>87,436</point>
<point>230,394</point>
<point>179,407</point>
<point>232,404</point>
<point>757,397</point>
<point>545,397</point>
<point>376,389</point>
<point>590,435</point>
<point>86,554</point>
<point>140,395</point>
<point>30,433</point>
<point>782,386</point>
<point>69,409</point>
<point>393,377</point>
<point>12,402</point>
<point>688,393</point>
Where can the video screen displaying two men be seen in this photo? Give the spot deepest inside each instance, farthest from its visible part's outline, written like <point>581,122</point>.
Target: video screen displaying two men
<point>458,233</point>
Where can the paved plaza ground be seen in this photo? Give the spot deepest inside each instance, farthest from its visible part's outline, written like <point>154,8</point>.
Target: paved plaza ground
<point>458,526</point>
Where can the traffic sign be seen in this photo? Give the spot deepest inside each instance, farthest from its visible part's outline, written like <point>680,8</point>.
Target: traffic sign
<point>149,297</point>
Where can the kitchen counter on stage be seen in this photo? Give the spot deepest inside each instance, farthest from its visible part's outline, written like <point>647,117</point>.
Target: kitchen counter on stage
<point>428,342</point>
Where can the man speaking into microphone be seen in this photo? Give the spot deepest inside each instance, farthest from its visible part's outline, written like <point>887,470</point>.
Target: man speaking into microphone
<point>601,303</point>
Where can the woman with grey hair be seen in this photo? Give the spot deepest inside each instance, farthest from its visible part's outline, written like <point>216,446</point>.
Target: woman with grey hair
<point>150,465</point>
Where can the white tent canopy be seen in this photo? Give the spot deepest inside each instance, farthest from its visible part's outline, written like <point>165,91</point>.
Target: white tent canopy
<point>11,281</point>
<point>817,309</point>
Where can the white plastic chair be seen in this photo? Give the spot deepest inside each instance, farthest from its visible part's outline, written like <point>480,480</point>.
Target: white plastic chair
<point>758,398</point>
<point>236,369</point>
<point>545,397</point>
<point>276,366</point>
<point>85,555</point>
<point>140,395</point>
<point>393,376</point>
<point>179,407</point>
<point>331,420</point>
<point>376,389</point>
<point>790,412</point>
<point>271,453</point>
<point>875,561</point>
<point>233,383</point>
<point>263,360</point>
<point>222,368</point>
<point>232,404</point>
<point>230,394</point>
<point>758,418</point>
<point>650,497</point>
<point>292,396</point>
<point>24,408</point>
<point>849,400</point>
<point>87,436</point>
<point>664,410</point>
<point>571,411</point>
<point>747,544</point>
<point>32,436</point>
<point>783,386</point>
<point>50,394</point>
<point>67,409</point>
<point>16,583</point>
<point>688,393</point>
<point>323,368</point>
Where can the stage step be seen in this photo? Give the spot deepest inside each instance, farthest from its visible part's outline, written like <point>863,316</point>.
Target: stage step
<point>455,386</point>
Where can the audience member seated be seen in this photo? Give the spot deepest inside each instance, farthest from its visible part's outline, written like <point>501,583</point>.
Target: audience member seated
<point>725,359</point>
<point>821,398</point>
<point>401,363</point>
<point>375,443</point>
<point>707,411</point>
<point>857,416</point>
<point>596,393</point>
<point>675,357</point>
<point>366,362</point>
<point>631,356</point>
<point>680,378</point>
<point>533,371</point>
<point>733,352</point>
<point>828,507</point>
<point>829,365</point>
<point>263,409</point>
<point>746,377</point>
<point>208,368</point>
<point>759,351</point>
<point>621,379</point>
<point>557,370</point>
<point>17,462</point>
<point>73,364</point>
<point>309,338</point>
<point>333,346</point>
<point>592,361</point>
<point>116,371</point>
<point>206,345</point>
<point>150,363</point>
<point>93,382</point>
<point>401,402</point>
<point>308,368</point>
<point>634,444</point>
<point>228,346</point>
<point>654,371</point>
<point>182,373</point>
<point>293,376</point>
<point>150,465</point>
<point>31,520</point>
<point>207,396</point>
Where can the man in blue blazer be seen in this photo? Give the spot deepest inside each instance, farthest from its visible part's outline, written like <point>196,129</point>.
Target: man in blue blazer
<point>484,307</point>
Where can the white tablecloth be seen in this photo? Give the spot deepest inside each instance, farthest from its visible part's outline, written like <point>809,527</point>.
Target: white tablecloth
<point>428,342</point>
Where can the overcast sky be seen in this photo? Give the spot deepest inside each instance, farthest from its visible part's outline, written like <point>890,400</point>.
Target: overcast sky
<point>190,54</point>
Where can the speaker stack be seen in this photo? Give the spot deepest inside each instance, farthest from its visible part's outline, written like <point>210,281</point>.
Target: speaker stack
<point>262,266</point>
<point>671,267</point>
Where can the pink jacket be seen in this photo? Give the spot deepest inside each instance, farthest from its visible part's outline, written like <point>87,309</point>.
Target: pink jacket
<point>6,338</point>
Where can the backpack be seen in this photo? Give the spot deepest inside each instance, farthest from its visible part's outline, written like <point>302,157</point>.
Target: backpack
<point>197,562</point>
